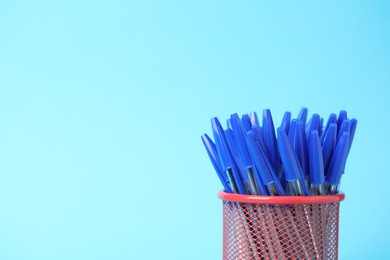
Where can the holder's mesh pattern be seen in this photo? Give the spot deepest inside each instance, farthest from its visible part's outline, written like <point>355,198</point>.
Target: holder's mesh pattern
<point>266,231</point>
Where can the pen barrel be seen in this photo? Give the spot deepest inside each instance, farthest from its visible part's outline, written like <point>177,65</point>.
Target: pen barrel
<point>280,227</point>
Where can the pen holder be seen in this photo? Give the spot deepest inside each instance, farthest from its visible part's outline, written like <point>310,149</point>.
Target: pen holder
<point>280,227</point>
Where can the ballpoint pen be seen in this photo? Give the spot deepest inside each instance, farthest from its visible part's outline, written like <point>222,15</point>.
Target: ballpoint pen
<point>329,144</point>
<point>337,164</point>
<point>225,157</point>
<point>296,184</point>
<point>264,167</point>
<point>332,119</point>
<point>316,164</point>
<point>234,177</point>
<point>257,188</point>
<point>247,164</point>
<point>213,154</point>
<point>270,138</point>
<point>293,171</point>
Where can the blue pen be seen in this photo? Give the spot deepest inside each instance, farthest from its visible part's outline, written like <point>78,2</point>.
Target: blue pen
<point>302,115</point>
<point>300,148</point>
<point>292,169</point>
<point>213,154</point>
<point>316,164</point>
<point>225,157</point>
<point>332,119</point>
<point>314,124</point>
<point>265,169</point>
<point>254,119</point>
<point>329,144</point>
<point>246,122</point>
<point>247,164</point>
<point>270,138</point>
<point>337,164</point>
<point>341,118</point>
<point>286,122</point>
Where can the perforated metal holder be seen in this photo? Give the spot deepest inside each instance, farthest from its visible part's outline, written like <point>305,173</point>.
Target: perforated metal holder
<point>280,227</point>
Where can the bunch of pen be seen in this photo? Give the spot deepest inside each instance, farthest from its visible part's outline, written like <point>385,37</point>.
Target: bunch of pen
<point>301,159</point>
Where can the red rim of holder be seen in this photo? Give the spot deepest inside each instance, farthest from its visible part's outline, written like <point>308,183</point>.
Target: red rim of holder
<point>280,199</point>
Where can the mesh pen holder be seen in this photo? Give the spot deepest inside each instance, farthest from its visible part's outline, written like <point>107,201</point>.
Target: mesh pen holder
<point>280,227</point>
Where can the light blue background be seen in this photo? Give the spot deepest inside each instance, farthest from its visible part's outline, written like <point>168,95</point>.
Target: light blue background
<point>102,104</point>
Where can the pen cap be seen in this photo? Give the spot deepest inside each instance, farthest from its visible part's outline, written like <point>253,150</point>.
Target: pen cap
<point>246,122</point>
<point>234,151</point>
<point>213,155</point>
<point>313,125</point>
<point>302,115</point>
<point>300,147</point>
<point>315,159</point>
<point>337,164</point>
<point>331,120</point>
<point>345,127</point>
<point>221,144</point>
<point>260,139</point>
<point>353,128</point>
<point>291,166</point>
<point>259,159</point>
<point>291,132</point>
<point>329,144</point>
<point>270,138</point>
<point>341,118</point>
<point>286,122</point>
<point>240,139</point>
<point>352,132</point>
